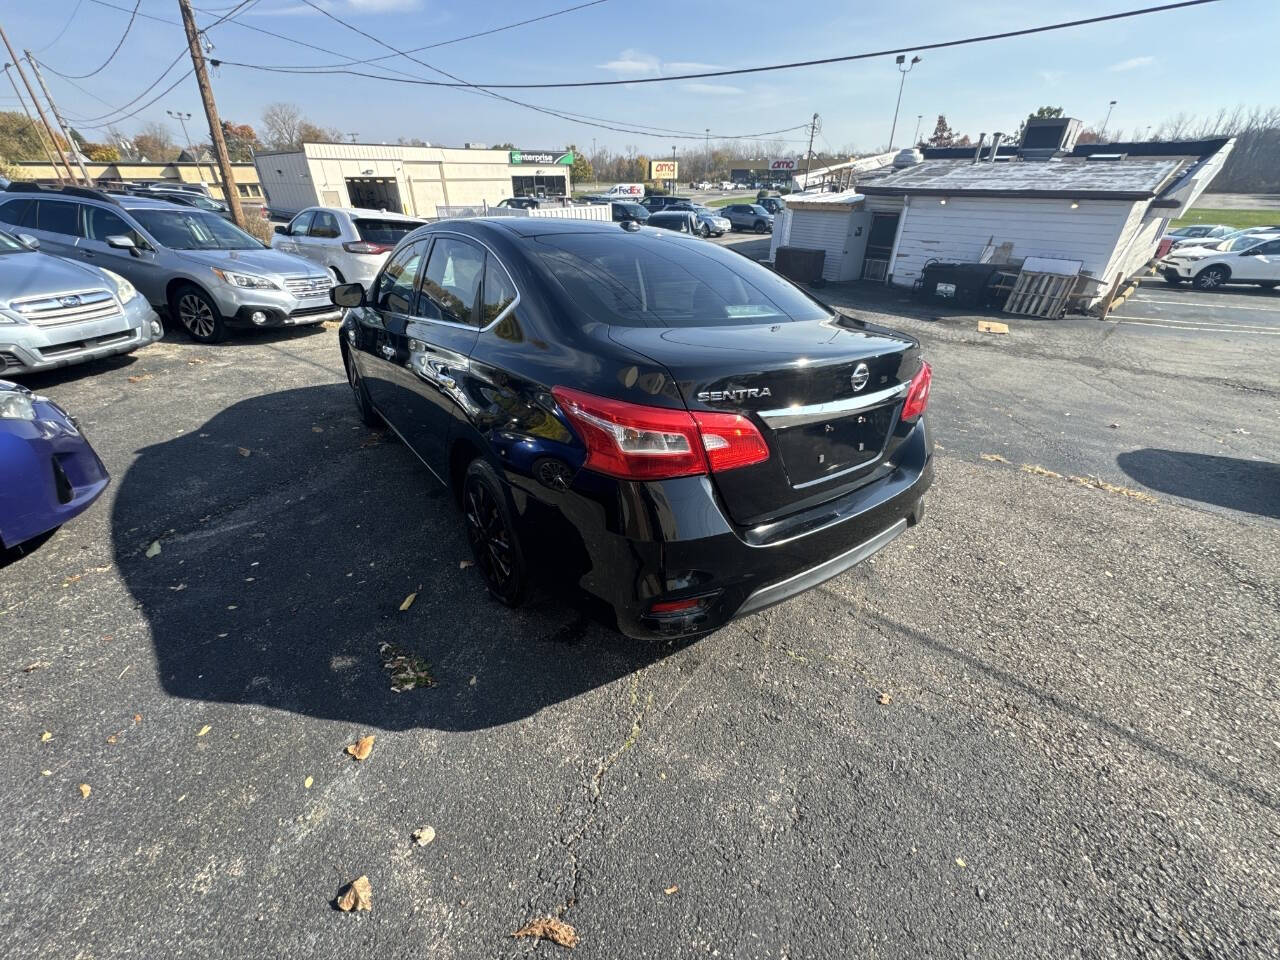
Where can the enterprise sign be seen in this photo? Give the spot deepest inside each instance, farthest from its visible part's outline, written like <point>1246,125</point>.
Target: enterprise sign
<point>544,158</point>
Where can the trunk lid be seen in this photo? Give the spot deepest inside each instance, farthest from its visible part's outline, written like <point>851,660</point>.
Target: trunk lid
<point>799,383</point>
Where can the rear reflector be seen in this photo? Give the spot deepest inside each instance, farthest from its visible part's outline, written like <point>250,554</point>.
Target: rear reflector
<point>365,246</point>
<point>918,394</point>
<point>636,442</point>
<point>677,606</point>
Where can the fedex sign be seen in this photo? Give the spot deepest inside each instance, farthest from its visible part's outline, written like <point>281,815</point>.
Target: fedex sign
<point>784,165</point>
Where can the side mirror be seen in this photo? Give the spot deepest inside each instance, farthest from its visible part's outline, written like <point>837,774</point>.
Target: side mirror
<point>347,295</point>
<point>282,229</point>
<point>32,242</point>
<point>121,242</point>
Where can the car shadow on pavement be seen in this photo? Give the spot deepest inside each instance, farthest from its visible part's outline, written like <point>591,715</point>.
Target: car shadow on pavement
<point>299,551</point>
<point>1250,486</point>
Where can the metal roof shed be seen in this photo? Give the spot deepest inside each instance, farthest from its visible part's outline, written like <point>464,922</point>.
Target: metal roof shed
<point>834,223</point>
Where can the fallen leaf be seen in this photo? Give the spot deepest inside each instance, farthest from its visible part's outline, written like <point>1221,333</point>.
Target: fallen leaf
<point>463,564</point>
<point>1037,470</point>
<point>85,790</point>
<point>994,457</point>
<point>549,928</point>
<point>357,896</point>
<point>139,378</point>
<point>111,739</point>
<point>203,730</point>
<point>960,863</point>
<point>181,586</point>
<point>362,747</point>
<point>407,602</point>
<point>424,835</point>
<point>306,784</point>
<point>137,718</point>
<point>671,889</point>
<point>37,665</point>
<point>46,773</point>
<point>243,451</point>
<point>191,363</point>
<point>46,737</point>
<point>317,429</point>
<point>408,671</point>
<point>884,699</point>
<point>154,549</point>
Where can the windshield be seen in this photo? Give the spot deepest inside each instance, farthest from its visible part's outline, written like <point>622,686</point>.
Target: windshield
<point>10,245</point>
<point>193,230</point>
<point>389,232</point>
<point>667,282</point>
<point>756,208</point>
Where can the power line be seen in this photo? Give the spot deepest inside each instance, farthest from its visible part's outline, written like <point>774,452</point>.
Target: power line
<point>83,76</point>
<point>65,27</point>
<point>796,64</point>
<point>470,36</point>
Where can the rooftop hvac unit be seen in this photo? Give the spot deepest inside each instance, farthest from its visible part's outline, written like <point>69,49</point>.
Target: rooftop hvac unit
<point>1047,137</point>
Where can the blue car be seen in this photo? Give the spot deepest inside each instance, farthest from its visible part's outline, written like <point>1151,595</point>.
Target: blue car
<point>49,473</point>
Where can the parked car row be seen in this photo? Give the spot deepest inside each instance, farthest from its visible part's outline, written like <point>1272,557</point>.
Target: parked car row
<point>1252,258</point>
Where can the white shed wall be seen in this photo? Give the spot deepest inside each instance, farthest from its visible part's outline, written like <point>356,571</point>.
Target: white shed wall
<point>961,228</point>
<point>286,183</point>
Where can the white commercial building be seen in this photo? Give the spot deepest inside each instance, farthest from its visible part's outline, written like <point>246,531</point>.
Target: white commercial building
<point>418,181</point>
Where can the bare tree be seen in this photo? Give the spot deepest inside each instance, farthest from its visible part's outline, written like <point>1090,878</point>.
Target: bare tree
<point>155,143</point>
<point>281,124</point>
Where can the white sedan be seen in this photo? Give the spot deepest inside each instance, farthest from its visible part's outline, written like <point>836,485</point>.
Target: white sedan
<point>350,242</point>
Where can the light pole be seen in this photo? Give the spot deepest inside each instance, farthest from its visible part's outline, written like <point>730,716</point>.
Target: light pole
<point>707,173</point>
<point>1102,134</point>
<point>182,118</point>
<point>673,170</point>
<point>916,138</point>
<point>900,60</point>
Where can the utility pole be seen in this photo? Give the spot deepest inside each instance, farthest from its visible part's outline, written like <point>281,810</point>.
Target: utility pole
<point>708,173</point>
<point>231,194</point>
<point>32,120</point>
<point>808,157</point>
<point>916,138</point>
<point>673,170</point>
<point>40,110</point>
<point>66,130</point>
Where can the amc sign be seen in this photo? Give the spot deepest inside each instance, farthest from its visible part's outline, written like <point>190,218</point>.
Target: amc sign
<point>664,169</point>
<point>782,165</point>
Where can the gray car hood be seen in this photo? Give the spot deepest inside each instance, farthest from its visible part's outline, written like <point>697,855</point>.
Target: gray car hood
<point>253,261</point>
<point>33,274</point>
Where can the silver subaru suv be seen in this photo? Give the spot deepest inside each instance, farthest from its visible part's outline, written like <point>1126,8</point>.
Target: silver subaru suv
<point>207,273</point>
<point>54,313</point>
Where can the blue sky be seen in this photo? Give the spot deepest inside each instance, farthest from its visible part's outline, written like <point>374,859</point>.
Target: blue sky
<point>1155,66</point>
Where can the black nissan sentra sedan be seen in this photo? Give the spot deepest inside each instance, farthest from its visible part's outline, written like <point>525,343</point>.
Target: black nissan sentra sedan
<point>657,420</point>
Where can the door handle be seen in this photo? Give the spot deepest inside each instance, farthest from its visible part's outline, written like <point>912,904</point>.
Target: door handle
<point>87,254</point>
<point>387,351</point>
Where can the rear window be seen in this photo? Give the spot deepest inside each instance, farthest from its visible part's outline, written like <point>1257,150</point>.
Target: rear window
<point>667,282</point>
<point>389,232</point>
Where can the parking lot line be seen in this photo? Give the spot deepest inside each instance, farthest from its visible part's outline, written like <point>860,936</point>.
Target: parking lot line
<point>1207,328</point>
<point>1201,303</point>
<point>1200,323</point>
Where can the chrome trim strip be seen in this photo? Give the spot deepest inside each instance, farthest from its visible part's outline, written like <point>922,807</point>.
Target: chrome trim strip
<point>805,579</point>
<point>814,412</point>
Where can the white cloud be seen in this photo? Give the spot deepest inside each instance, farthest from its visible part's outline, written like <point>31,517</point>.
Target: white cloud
<point>1133,63</point>
<point>1052,77</point>
<point>633,63</point>
<point>383,6</point>
<point>688,66</point>
<point>713,89</point>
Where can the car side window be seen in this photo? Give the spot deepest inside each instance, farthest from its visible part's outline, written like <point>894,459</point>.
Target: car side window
<point>1269,248</point>
<point>15,211</point>
<point>101,223</point>
<point>499,291</point>
<point>300,224</point>
<point>398,280</point>
<point>452,279</point>
<point>324,225</point>
<point>58,216</point>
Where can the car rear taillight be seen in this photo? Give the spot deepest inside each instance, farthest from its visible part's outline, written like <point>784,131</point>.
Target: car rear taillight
<point>365,246</point>
<point>918,393</point>
<point>676,606</point>
<point>636,442</point>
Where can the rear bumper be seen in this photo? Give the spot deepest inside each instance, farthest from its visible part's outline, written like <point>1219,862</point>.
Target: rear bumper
<point>631,544</point>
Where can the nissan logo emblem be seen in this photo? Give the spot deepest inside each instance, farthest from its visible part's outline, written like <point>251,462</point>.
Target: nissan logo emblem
<point>860,377</point>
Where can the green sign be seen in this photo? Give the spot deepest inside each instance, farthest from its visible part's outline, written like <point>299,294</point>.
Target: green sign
<point>542,158</point>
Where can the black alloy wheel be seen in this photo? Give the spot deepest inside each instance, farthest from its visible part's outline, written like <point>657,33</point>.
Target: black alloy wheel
<point>706,231</point>
<point>761,226</point>
<point>1211,278</point>
<point>360,393</point>
<point>198,314</point>
<point>494,542</point>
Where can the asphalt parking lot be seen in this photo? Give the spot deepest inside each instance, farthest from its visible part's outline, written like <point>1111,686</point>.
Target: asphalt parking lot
<point>1042,724</point>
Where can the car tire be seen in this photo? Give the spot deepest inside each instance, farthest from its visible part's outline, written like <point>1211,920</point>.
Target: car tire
<point>1171,277</point>
<point>1269,285</point>
<point>360,393</point>
<point>705,231</point>
<point>495,544</point>
<point>761,226</point>
<point>198,314</point>
<point>1211,278</point>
